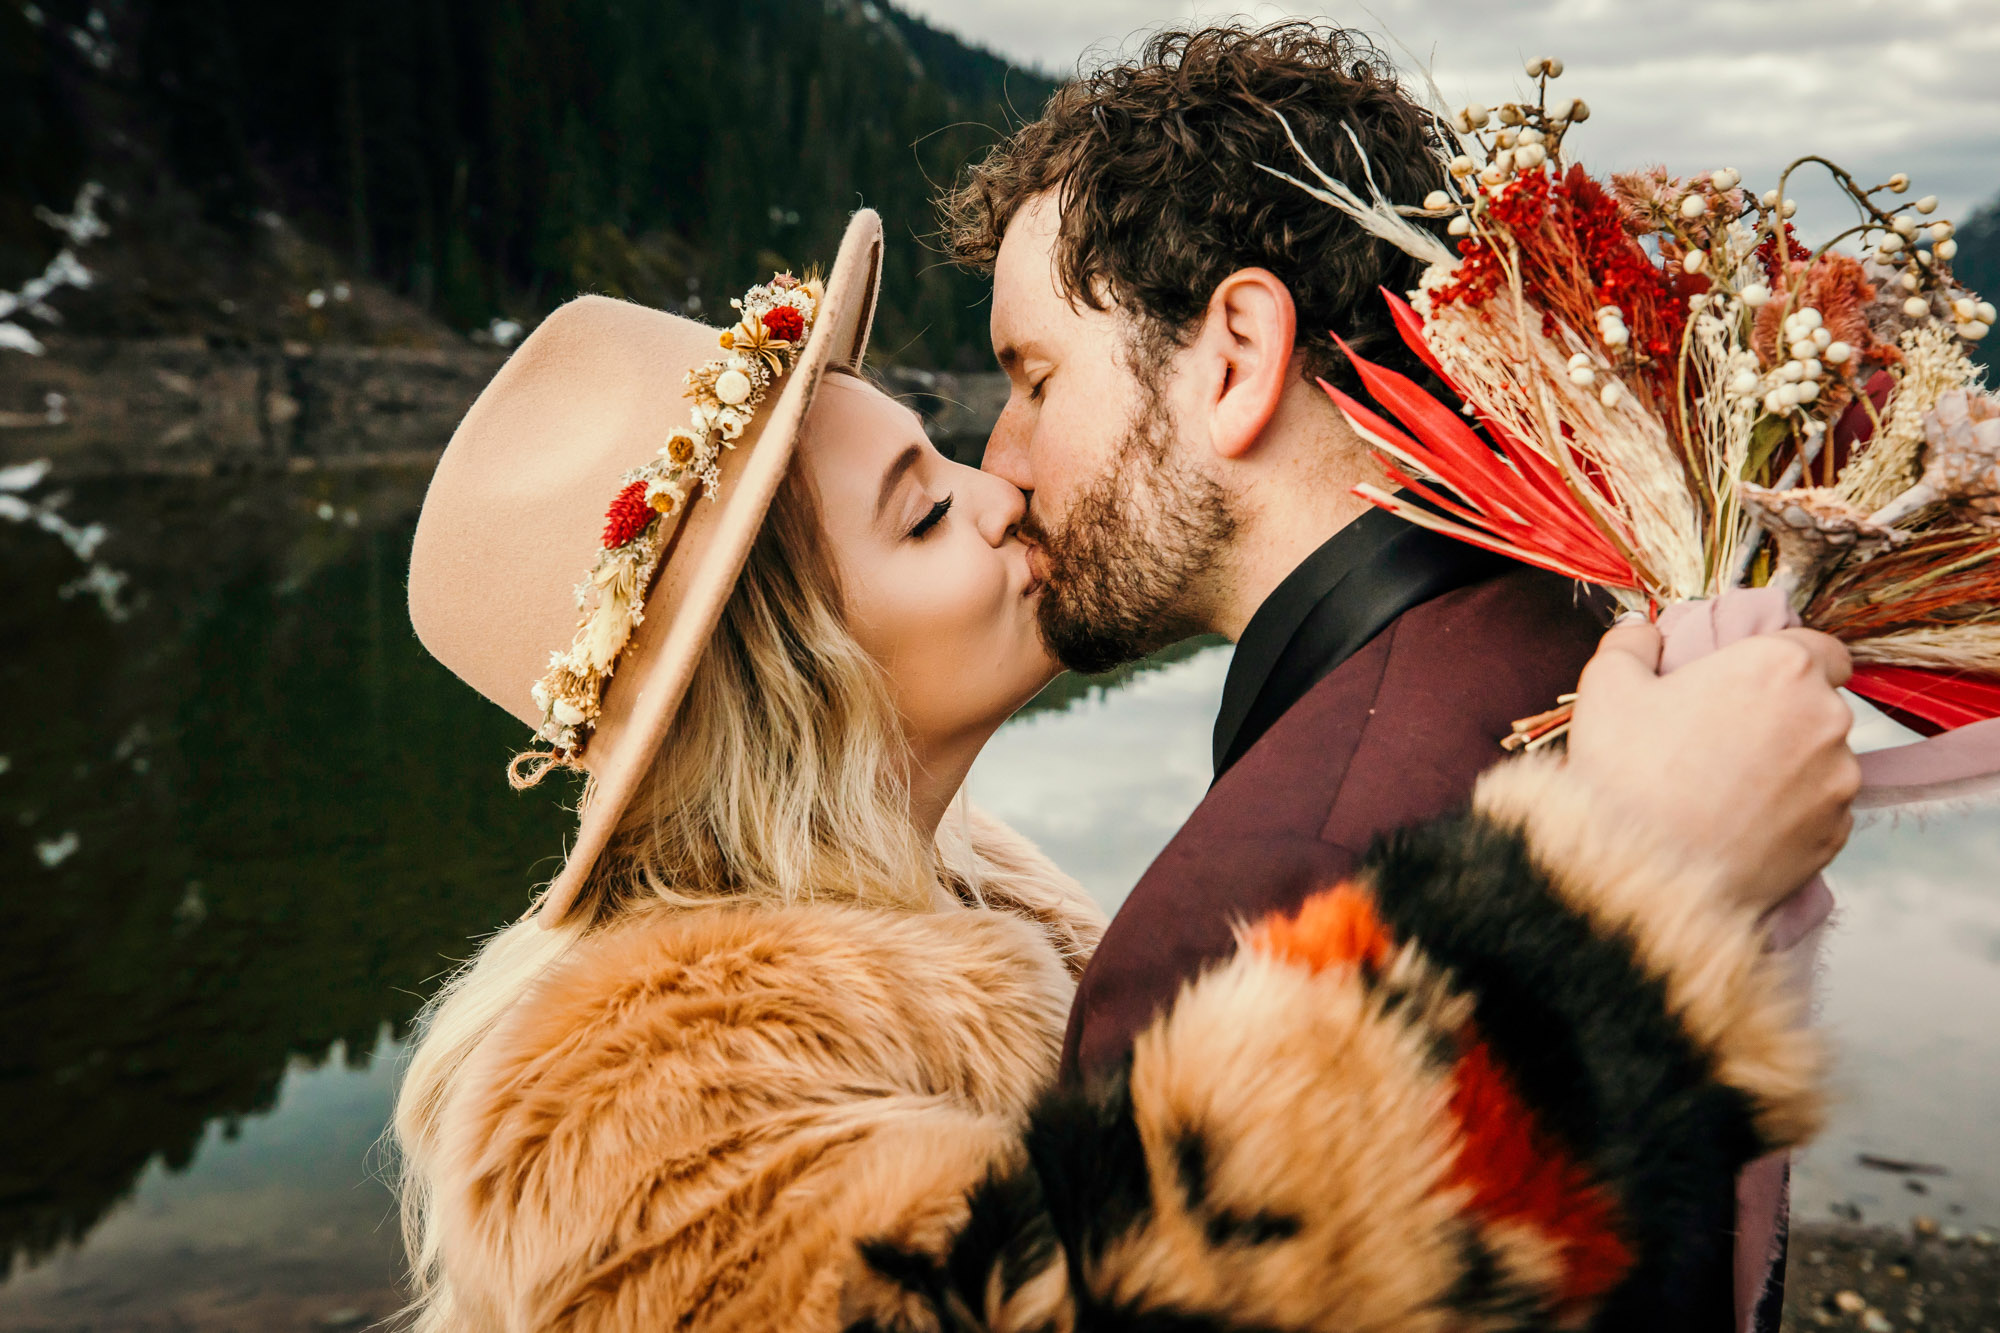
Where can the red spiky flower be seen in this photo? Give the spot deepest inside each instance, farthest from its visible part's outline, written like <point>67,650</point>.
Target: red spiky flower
<point>628,516</point>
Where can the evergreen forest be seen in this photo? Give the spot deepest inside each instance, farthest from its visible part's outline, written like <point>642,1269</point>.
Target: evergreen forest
<point>492,157</point>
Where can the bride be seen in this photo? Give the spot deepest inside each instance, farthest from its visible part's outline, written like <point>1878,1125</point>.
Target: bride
<point>774,1050</point>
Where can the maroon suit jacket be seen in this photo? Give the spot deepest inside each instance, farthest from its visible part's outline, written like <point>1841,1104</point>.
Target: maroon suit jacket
<point>1395,733</point>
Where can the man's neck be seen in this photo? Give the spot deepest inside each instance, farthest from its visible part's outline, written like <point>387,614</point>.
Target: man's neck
<point>1299,497</point>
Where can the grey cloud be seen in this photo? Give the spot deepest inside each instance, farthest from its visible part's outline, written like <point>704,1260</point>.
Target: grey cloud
<point>1878,87</point>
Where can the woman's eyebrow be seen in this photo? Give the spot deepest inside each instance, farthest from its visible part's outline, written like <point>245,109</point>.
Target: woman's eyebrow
<point>904,462</point>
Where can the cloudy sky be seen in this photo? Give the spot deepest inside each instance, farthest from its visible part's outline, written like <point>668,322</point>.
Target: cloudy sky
<point>1878,85</point>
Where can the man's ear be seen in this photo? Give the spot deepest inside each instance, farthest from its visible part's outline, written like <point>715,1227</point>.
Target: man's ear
<point>1246,351</point>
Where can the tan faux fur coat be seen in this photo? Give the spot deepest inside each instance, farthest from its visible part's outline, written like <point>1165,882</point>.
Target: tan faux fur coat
<point>1467,1089</point>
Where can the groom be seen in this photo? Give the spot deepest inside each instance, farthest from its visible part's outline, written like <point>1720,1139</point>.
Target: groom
<point>1162,308</point>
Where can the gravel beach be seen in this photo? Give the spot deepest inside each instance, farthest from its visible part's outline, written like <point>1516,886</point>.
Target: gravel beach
<point>1929,1277</point>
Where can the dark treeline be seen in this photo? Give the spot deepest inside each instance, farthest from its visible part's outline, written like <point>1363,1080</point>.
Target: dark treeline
<point>488,156</point>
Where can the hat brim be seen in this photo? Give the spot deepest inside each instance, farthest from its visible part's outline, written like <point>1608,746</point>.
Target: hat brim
<point>696,580</point>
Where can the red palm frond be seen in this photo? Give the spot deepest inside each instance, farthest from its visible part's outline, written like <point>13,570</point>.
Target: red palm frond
<point>1505,497</point>
<point>1946,699</point>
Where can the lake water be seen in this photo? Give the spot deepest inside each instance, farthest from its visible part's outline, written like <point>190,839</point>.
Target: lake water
<point>246,824</point>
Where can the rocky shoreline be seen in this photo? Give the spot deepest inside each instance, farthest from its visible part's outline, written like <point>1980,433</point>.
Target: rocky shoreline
<point>186,406</point>
<point>1928,1279</point>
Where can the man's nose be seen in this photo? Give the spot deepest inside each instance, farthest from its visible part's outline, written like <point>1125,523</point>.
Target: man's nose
<point>1006,454</point>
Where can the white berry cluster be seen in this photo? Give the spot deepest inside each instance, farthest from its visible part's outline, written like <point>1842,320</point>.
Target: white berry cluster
<point>1524,137</point>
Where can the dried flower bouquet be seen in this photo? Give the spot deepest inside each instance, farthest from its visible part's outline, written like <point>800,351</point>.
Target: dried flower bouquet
<point>1666,394</point>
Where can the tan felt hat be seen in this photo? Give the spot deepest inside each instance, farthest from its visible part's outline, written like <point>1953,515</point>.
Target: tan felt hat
<point>515,516</point>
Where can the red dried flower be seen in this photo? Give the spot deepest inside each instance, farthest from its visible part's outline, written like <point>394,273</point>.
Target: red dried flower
<point>1767,252</point>
<point>628,516</point>
<point>784,322</point>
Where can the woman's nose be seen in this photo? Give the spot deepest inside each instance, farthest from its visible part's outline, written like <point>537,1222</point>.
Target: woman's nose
<point>1000,506</point>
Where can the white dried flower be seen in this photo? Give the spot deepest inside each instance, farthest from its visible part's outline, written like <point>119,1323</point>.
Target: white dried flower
<point>1530,134</point>
<point>1755,295</point>
<point>1803,348</point>
<point>1744,383</point>
<point>1437,201</point>
<point>1899,183</point>
<point>1909,282</point>
<point>1563,110</point>
<point>1555,67</point>
<point>1769,199</point>
<point>1725,179</point>
<point>1460,226</point>
<point>1790,207</point>
<point>1579,111</point>
<point>1837,353</point>
<point>1530,156</point>
<point>1791,370</point>
<point>1941,229</point>
<point>1971,332</point>
<point>1463,165</point>
<point>1814,369</point>
<point>1536,68</point>
<point>1805,392</point>
<point>1927,204</point>
<point>567,713</point>
<point>1582,375</point>
<point>1822,337</point>
<point>1510,114</point>
<point>1986,312</point>
<point>1916,307</point>
<point>1774,402</point>
<point>1890,243</point>
<point>1946,248</point>
<point>1694,206</point>
<point>1694,261</point>
<point>1610,394</point>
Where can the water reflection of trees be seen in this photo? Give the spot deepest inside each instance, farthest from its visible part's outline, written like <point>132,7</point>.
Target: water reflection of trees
<point>286,819</point>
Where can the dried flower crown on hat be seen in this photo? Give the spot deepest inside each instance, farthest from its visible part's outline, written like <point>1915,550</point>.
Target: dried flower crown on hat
<point>764,344</point>
<point>1671,397</point>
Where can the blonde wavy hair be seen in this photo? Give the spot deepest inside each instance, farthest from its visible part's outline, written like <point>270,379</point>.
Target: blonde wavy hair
<point>784,779</point>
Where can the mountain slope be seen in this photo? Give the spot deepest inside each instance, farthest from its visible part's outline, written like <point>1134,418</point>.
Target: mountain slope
<point>495,156</point>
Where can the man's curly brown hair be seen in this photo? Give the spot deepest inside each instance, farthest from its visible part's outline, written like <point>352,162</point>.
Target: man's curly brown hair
<point>1156,167</point>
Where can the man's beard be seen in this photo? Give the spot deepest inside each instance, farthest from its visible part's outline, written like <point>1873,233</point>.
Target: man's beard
<point>1121,570</point>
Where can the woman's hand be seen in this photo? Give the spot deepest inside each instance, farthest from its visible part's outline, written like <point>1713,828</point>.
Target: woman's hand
<point>1740,756</point>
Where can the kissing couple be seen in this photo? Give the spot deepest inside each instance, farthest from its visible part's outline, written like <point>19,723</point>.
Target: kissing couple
<point>1398,1034</point>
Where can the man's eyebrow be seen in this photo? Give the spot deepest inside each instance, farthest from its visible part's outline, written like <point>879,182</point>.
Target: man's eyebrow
<point>897,470</point>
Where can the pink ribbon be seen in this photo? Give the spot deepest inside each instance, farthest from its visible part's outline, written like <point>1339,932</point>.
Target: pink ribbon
<point>1955,763</point>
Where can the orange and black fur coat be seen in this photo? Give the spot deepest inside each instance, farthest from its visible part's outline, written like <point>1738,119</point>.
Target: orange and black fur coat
<point>1479,1086</point>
